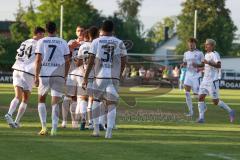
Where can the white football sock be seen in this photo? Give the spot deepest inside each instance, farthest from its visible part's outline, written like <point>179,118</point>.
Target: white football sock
<point>83,109</point>
<point>77,112</point>
<point>189,102</point>
<point>13,106</point>
<point>89,111</point>
<point>111,116</point>
<point>55,115</point>
<point>95,115</point>
<point>102,114</point>
<point>21,111</point>
<point>73,107</point>
<point>201,109</point>
<point>65,107</point>
<point>42,114</point>
<point>224,106</point>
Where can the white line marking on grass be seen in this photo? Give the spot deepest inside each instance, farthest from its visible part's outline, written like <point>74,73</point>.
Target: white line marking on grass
<point>177,102</point>
<point>219,156</point>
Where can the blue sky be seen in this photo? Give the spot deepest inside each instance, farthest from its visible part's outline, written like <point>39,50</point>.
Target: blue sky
<point>151,11</point>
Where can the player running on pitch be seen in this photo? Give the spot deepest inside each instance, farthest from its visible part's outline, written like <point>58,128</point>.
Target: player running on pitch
<point>192,60</point>
<point>210,83</point>
<point>52,65</point>
<point>23,77</point>
<point>110,56</point>
<point>70,98</point>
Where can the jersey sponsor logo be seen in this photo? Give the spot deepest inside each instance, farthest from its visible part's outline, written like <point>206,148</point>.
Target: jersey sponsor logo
<point>52,41</point>
<point>50,64</point>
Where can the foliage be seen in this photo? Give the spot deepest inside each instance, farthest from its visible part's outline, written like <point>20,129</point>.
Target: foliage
<point>214,22</point>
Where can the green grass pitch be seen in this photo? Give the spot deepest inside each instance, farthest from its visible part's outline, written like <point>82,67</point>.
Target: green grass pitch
<point>154,128</point>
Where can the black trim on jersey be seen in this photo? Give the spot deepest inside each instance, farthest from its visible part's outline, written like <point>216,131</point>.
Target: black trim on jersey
<point>107,78</point>
<point>75,75</point>
<point>24,72</point>
<point>50,76</point>
<point>78,76</point>
<point>97,100</point>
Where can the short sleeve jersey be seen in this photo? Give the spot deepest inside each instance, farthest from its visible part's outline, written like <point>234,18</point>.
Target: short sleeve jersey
<point>25,58</point>
<point>74,70</point>
<point>211,73</point>
<point>108,51</point>
<point>83,54</point>
<point>53,50</point>
<point>193,57</point>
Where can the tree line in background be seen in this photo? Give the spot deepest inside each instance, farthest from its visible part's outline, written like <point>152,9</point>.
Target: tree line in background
<point>214,21</point>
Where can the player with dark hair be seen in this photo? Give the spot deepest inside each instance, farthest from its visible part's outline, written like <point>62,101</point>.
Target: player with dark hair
<point>52,65</point>
<point>23,76</point>
<point>70,98</point>
<point>85,97</point>
<point>108,55</point>
<point>192,59</point>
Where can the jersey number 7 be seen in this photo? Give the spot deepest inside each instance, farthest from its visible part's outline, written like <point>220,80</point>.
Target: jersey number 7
<point>52,52</point>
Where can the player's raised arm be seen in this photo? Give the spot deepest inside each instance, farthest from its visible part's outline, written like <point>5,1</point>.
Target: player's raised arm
<point>79,59</point>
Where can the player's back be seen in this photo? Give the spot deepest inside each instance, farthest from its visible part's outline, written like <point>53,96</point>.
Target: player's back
<point>53,50</point>
<point>108,51</point>
<point>25,56</point>
<point>83,54</point>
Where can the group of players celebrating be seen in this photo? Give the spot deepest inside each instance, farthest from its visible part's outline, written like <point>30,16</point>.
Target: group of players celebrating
<point>83,75</point>
<point>210,64</point>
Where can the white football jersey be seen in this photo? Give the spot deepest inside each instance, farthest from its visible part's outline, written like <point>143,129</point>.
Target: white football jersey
<point>53,50</point>
<point>108,51</point>
<point>211,73</point>
<point>74,70</point>
<point>193,57</point>
<point>83,54</point>
<point>25,57</point>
